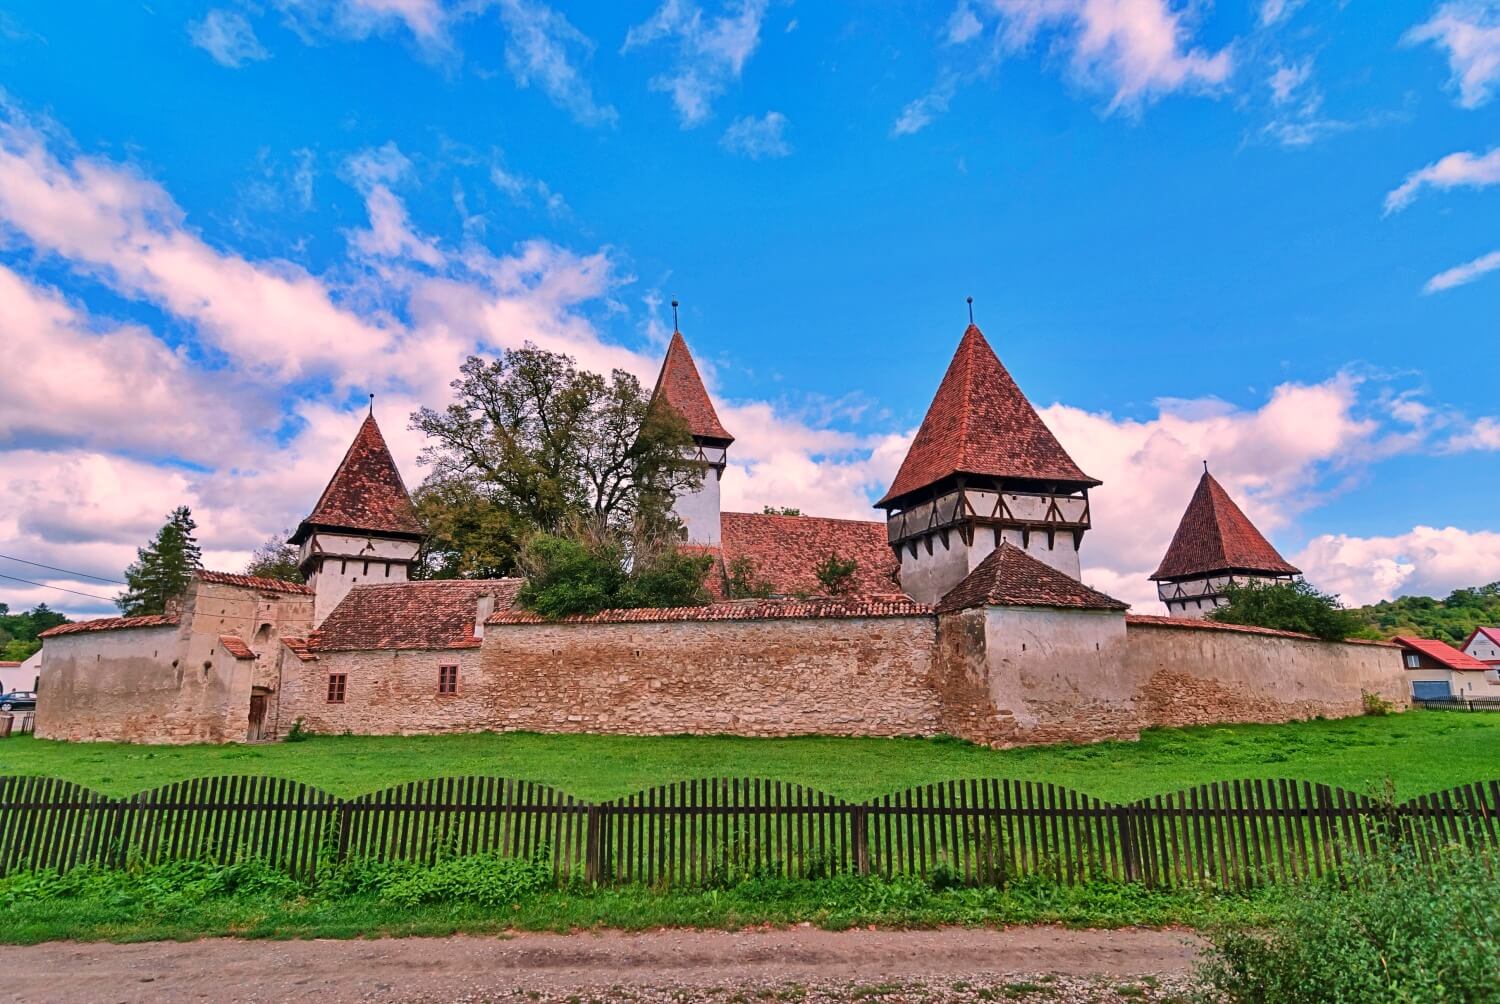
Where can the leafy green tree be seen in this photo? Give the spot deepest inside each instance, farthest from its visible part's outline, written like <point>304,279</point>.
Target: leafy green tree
<point>590,568</point>
<point>1289,606</point>
<point>743,581</point>
<point>17,650</point>
<point>1451,620</point>
<point>566,575</point>
<point>531,443</point>
<point>469,534</point>
<point>276,559</point>
<point>836,575</point>
<point>781,510</point>
<point>163,567</point>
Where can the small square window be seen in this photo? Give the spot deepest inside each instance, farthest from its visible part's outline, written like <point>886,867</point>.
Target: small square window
<point>336,688</point>
<point>447,679</point>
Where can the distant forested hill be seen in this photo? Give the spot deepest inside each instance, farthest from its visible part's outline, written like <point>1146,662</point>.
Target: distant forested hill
<point>1450,619</point>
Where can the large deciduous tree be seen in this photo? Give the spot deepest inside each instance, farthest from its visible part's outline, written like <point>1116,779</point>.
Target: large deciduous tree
<point>162,568</point>
<point>276,559</point>
<point>533,444</point>
<point>1289,606</point>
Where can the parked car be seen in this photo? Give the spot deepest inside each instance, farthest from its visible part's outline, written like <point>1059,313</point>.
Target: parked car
<point>18,700</point>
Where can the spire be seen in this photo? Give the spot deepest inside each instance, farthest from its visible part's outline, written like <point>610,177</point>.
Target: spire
<point>1216,536</point>
<point>979,422</point>
<point>682,389</point>
<point>366,493</point>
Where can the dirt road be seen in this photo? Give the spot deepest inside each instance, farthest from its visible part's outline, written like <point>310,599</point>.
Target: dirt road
<point>681,965</point>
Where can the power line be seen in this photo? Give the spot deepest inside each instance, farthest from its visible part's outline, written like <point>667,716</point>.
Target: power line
<point>60,589</point>
<point>65,571</point>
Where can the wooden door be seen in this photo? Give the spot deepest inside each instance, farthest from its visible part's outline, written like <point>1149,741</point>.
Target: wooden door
<point>257,717</point>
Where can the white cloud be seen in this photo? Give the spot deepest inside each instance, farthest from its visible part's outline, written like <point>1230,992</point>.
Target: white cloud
<point>69,379</point>
<point>1272,459</point>
<point>542,48</point>
<point>1276,11</point>
<point>711,52</point>
<point>1426,561</point>
<point>1470,31</point>
<point>1286,79</point>
<point>758,137</point>
<point>108,221</point>
<point>962,24</point>
<point>1483,434</point>
<point>919,113</point>
<point>227,36</point>
<point>1456,170</point>
<point>1462,275</point>
<point>426,19</point>
<point>1139,49</point>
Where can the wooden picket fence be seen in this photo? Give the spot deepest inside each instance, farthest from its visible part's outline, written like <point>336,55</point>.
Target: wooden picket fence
<point>984,831</point>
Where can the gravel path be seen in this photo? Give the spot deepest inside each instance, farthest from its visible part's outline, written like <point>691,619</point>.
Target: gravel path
<point>797,964</point>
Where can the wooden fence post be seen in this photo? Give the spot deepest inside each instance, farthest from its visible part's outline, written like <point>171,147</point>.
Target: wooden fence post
<point>859,835</point>
<point>346,812</point>
<point>593,851</point>
<point>1129,857</point>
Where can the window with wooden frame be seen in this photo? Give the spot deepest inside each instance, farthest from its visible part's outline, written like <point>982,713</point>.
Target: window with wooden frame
<point>336,687</point>
<point>447,679</point>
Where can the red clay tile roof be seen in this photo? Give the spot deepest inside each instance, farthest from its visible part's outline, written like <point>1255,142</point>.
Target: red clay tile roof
<point>979,422</point>
<point>786,550</point>
<point>299,648</point>
<point>1215,536</point>
<point>680,386</point>
<point>112,624</point>
<point>1446,654</point>
<point>252,582</point>
<point>1189,624</point>
<point>235,646</point>
<point>1009,577</point>
<point>432,614</point>
<point>734,610</point>
<point>366,492</point>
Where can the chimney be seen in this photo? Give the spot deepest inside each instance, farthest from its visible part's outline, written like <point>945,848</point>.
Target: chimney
<point>486,607</point>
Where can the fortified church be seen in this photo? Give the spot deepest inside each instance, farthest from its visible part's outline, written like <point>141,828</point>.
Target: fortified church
<point>967,616</point>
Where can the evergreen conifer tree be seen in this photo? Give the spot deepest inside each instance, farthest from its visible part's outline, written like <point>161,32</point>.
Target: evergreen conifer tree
<point>162,568</point>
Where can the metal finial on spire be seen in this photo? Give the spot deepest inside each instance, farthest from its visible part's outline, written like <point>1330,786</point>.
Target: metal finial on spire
<point>971,310</point>
<point>674,315</point>
<point>372,402</point>
<point>1205,467</point>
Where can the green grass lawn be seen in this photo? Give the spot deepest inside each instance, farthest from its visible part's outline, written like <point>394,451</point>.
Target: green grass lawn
<point>1419,751</point>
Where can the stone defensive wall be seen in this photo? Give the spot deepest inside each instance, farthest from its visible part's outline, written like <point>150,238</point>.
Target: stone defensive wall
<point>1001,676</point>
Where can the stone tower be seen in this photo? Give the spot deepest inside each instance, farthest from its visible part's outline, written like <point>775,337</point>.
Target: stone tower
<point>680,387</point>
<point>1215,546</point>
<point>364,527</point>
<point>983,469</point>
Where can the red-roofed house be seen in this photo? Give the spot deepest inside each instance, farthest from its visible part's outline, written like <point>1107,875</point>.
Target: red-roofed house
<point>1439,672</point>
<point>1215,547</point>
<point>1483,644</point>
<point>982,469</point>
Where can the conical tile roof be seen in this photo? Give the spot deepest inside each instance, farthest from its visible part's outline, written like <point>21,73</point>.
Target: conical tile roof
<point>979,422</point>
<point>1215,536</point>
<point>680,386</point>
<point>366,493</point>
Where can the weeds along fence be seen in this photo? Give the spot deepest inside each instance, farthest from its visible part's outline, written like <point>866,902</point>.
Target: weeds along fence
<point>984,831</point>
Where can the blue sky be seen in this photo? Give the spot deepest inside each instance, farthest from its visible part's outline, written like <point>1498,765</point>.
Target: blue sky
<point>1261,232</point>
